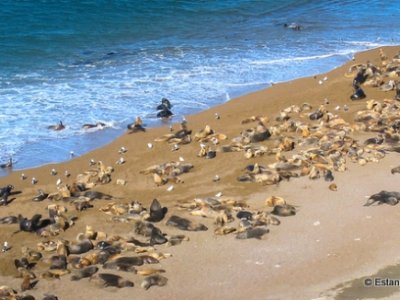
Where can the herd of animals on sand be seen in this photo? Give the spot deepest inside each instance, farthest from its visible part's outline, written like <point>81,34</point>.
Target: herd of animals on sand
<point>312,142</point>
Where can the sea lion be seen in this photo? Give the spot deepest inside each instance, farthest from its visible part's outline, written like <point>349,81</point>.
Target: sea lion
<point>7,165</point>
<point>40,196</point>
<point>165,113</point>
<point>358,94</point>
<point>384,197</point>
<point>395,170</point>
<point>157,212</point>
<point>328,176</point>
<point>84,273</point>
<point>9,220</point>
<point>154,280</point>
<point>124,263</point>
<point>252,233</point>
<point>107,279</point>
<point>97,125</point>
<point>244,215</point>
<point>185,224</point>
<point>136,126</point>
<point>82,247</point>
<point>33,224</point>
<point>284,210</point>
<point>157,237</point>
<point>164,103</point>
<point>58,262</point>
<point>50,297</point>
<point>5,192</point>
<point>58,127</point>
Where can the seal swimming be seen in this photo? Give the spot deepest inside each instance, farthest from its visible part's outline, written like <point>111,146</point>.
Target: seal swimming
<point>97,125</point>
<point>58,127</point>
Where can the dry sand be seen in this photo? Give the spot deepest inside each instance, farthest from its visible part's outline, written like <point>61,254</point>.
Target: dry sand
<point>332,240</point>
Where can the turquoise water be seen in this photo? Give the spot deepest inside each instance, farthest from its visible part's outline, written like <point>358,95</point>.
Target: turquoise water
<point>110,61</point>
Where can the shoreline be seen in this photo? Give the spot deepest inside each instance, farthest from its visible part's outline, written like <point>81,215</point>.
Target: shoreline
<point>276,266</point>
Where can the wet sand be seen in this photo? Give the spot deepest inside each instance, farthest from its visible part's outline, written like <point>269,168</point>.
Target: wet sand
<point>332,240</point>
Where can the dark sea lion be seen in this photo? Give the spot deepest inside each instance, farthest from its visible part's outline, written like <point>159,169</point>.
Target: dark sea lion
<point>384,197</point>
<point>80,248</point>
<point>96,195</point>
<point>157,212</point>
<point>185,224</point>
<point>157,237</point>
<point>7,165</point>
<point>40,196</point>
<point>244,215</point>
<point>97,125</point>
<point>284,210</point>
<point>143,228</point>
<point>124,263</point>
<point>26,297</point>
<point>358,94</point>
<point>9,220</point>
<point>165,113</point>
<point>328,176</point>
<point>58,262</point>
<point>84,273</point>
<point>252,233</point>
<point>106,279</point>
<point>360,78</point>
<point>375,140</point>
<point>211,154</point>
<point>150,281</point>
<point>316,115</point>
<point>33,224</point>
<point>164,103</point>
<point>58,127</point>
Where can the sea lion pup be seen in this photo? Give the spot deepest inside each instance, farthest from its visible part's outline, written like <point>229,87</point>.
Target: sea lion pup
<point>107,279</point>
<point>136,126</point>
<point>185,224</point>
<point>82,247</point>
<point>157,212</point>
<point>50,297</point>
<point>58,127</point>
<point>97,125</point>
<point>391,198</point>
<point>246,215</point>
<point>84,273</point>
<point>154,280</point>
<point>252,233</point>
<point>7,165</point>
<point>284,210</point>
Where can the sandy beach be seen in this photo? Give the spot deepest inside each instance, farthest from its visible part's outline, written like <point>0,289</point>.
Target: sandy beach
<point>332,242</point>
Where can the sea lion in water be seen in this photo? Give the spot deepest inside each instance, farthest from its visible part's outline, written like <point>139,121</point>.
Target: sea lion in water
<point>107,279</point>
<point>185,224</point>
<point>136,126</point>
<point>58,127</point>
<point>154,280</point>
<point>391,198</point>
<point>7,165</point>
<point>97,125</point>
<point>165,113</point>
<point>164,103</point>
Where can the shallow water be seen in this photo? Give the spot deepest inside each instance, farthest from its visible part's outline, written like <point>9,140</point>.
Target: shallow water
<point>85,62</point>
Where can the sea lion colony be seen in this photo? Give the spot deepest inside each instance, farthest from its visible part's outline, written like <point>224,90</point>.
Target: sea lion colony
<point>304,140</point>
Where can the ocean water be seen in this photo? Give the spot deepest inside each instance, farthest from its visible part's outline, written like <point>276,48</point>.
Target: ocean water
<point>110,61</point>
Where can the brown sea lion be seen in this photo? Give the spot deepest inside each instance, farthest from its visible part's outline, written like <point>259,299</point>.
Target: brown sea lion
<point>284,210</point>
<point>84,273</point>
<point>185,224</point>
